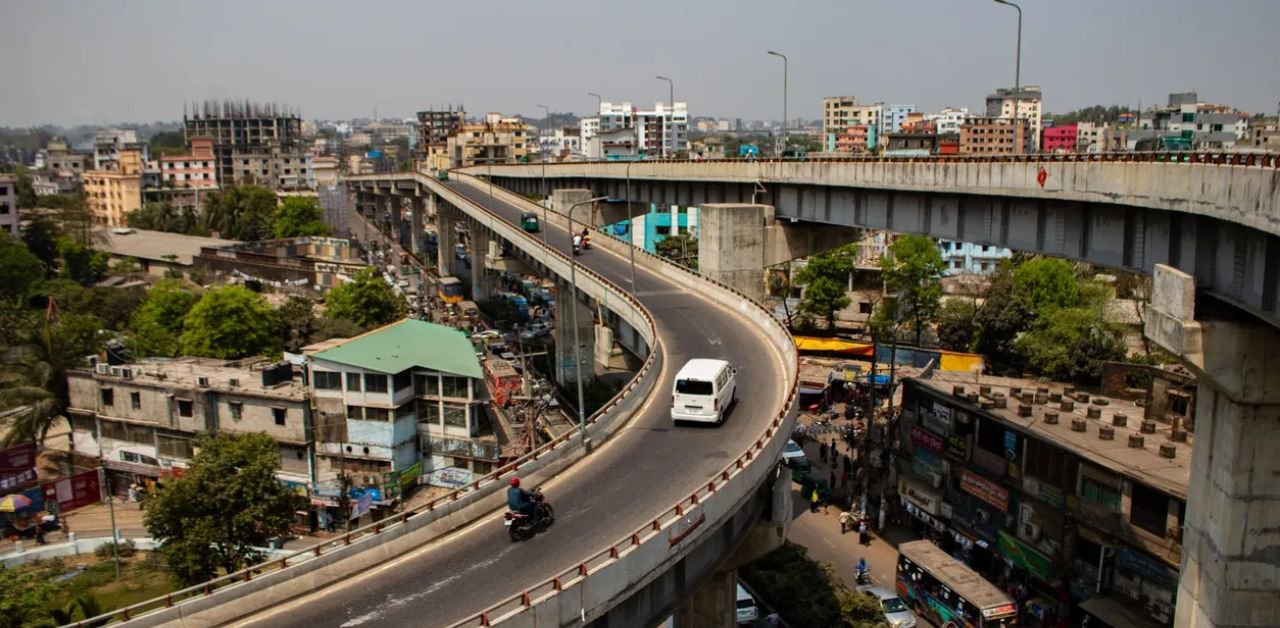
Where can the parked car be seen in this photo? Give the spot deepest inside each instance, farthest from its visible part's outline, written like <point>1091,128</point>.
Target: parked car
<point>746,607</point>
<point>896,611</point>
<point>793,454</point>
<point>536,329</point>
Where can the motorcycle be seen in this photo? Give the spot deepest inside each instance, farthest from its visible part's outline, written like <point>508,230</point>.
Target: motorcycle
<point>577,249</point>
<point>521,526</point>
<point>864,576</point>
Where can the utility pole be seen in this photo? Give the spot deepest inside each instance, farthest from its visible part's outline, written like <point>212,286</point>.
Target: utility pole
<point>111,508</point>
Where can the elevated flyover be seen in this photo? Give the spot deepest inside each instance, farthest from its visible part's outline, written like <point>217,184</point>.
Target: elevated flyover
<point>644,522</point>
<point>1214,216</point>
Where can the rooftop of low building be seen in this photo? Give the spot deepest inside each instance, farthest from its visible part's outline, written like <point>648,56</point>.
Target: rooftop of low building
<point>244,375</point>
<point>154,245</point>
<point>407,344</point>
<point>1141,460</point>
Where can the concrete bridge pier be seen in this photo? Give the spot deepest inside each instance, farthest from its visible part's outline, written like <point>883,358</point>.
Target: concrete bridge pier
<point>566,374</point>
<point>445,217</point>
<point>482,283</point>
<point>417,205</point>
<point>1230,572</point>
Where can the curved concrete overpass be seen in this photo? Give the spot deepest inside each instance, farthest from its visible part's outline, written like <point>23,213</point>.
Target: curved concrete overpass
<point>1216,217</point>
<point>632,480</point>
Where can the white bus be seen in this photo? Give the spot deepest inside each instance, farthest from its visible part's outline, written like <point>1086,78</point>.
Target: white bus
<point>703,391</point>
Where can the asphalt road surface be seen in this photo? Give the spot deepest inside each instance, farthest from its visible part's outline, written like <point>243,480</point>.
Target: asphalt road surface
<point>631,479</point>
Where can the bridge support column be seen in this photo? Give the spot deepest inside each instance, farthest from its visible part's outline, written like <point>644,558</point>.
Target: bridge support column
<point>1231,544</point>
<point>417,205</point>
<point>563,199</point>
<point>566,374</point>
<point>712,605</point>
<point>444,237</point>
<point>731,245</point>
<point>481,282</point>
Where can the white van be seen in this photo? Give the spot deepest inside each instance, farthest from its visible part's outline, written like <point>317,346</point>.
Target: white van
<point>703,391</point>
<point>746,611</point>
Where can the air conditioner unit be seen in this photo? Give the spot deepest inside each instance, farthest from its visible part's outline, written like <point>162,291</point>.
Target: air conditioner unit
<point>127,373</point>
<point>202,382</point>
<point>234,382</point>
<point>102,369</point>
<point>117,371</point>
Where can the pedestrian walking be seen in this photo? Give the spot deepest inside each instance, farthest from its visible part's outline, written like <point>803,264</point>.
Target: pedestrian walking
<point>834,455</point>
<point>813,500</point>
<point>845,520</point>
<point>864,537</point>
<point>822,451</point>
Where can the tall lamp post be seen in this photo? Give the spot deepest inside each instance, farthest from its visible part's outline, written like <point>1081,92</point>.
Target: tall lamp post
<point>631,231</point>
<point>784,99</point>
<point>573,315</point>
<point>671,114</point>
<point>599,106</point>
<point>1017,73</point>
<point>542,157</point>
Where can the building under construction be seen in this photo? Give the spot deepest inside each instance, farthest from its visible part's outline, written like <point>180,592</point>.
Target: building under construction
<point>242,127</point>
<point>435,127</point>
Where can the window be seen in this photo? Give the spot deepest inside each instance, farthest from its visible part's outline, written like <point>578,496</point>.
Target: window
<point>113,430</point>
<point>402,380</point>
<point>1096,492</point>
<point>355,413</point>
<point>455,416</point>
<point>429,412</point>
<point>375,383</point>
<point>279,415</point>
<point>174,446</point>
<point>353,382</point>
<point>376,414</point>
<point>453,386</point>
<point>237,409</point>
<point>108,396</point>
<point>405,410</point>
<point>139,434</point>
<point>1149,509</point>
<point>991,437</point>
<point>135,400</point>
<point>327,380</point>
<point>185,407</point>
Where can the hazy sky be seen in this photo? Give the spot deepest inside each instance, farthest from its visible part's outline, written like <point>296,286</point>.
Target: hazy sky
<point>126,61</point>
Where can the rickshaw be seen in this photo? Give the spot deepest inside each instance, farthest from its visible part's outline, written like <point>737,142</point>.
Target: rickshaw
<point>529,222</point>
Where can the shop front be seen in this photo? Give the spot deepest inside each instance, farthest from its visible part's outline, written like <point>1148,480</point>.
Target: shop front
<point>1146,581</point>
<point>924,507</point>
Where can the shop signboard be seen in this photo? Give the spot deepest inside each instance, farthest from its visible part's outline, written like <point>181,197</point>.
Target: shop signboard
<point>1023,556</point>
<point>362,505</point>
<point>1046,493</point>
<point>16,460</point>
<point>923,498</point>
<point>957,447</point>
<point>1150,570</point>
<point>926,465</point>
<point>984,489</point>
<point>73,492</point>
<point>409,477</point>
<point>939,420</point>
<point>926,439</point>
<point>450,477</point>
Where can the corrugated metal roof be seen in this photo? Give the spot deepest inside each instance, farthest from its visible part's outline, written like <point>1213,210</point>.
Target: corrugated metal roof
<point>407,344</point>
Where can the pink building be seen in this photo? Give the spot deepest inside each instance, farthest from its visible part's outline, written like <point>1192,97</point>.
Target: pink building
<point>196,170</point>
<point>852,140</point>
<point>1060,139</point>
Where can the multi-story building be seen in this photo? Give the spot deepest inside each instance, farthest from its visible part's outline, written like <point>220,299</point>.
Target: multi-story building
<point>276,167</point>
<point>985,135</point>
<point>948,121</point>
<point>325,169</point>
<point>196,169</point>
<point>856,138</point>
<point>111,194</point>
<point>1100,137</point>
<point>967,258</point>
<point>435,127</point>
<point>142,419</point>
<point>1072,496</point>
<point>9,204</point>
<point>396,397</point>
<point>61,161</point>
<point>241,131</point>
<point>1027,100</point>
<point>918,139</point>
<point>1060,139</point>
<point>562,143</point>
<point>664,131</point>
<point>311,263</point>
<point>893,116</point>
<point>851,127</point>
<point>497,140</point>
<point>589,129</point>
<point>108,143</point>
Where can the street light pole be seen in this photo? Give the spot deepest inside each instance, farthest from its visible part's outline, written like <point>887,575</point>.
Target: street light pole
<point>542,157</point>
<point>784,98</point>
<point>671,114</point>
<point>599,106</point>
<point>1017,73</point>
<point>631,231</point>
<point>573,315</point>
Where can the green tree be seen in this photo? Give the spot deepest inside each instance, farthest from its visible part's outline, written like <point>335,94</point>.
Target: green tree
<point>1045,283</point>
<point>367,300</point>
<point>1071,343</point>
<point>1000,320</point>
<point>328,327</point>
<point>241,212</point>
<point>163,216</point>
<point>35,378</point>
<point>298,216</point>
<point>681,249</point>
<point>825,278</point>
<point>913,271</point>
<point>168,143</point>
<point>24,189</point>
<point>157,324</point>
<point>41,235</point>
<point>957,328</point>
<point>27,599</point>
<point>297,321</point>
<point>20,271</point>
<point>229,322</point>
<point>226,504</point>
<point>81,263</point>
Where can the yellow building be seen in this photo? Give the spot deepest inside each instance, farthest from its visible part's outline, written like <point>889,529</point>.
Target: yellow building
<point>111,194</point>
<point>497,140</point>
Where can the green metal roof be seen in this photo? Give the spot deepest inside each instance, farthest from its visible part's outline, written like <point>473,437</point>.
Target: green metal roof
<point>407,344</point>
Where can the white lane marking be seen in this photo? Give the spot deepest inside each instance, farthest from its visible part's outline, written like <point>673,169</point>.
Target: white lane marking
<point>393,603</point>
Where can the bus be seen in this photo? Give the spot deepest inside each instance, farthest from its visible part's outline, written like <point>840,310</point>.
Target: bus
<point>947,593</point>
<point>449,289</point>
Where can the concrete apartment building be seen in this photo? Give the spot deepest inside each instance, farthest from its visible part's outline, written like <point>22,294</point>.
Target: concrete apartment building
<point>967,258</point>
<point>112,193</point>
<point>985,135</point>
<point>109,143</point>
<point>325,169</point>
<point>142,419</point>
<point>307,264</point>
<point>1029,107</point>
<point>1060,139</point>
<point>9,204</point>
<point>60,160</point>
<point>948,121</point>
<point>1077,497</point>
<point>662,131</point>
<point>244,132</point>
<point>404,395</point>
<point>196,169</point>
<point>496,140</point>
<point>850,127</point>
<point>275,167</point>
<point>435,127</point>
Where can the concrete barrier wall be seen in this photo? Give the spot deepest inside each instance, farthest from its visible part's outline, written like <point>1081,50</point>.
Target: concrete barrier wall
<point>588,592</point>
<point>305,574</point>
<point>1242,194</point>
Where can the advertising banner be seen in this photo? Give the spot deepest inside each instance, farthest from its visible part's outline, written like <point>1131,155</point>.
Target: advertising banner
<point>73,492</point>
<point>926,439</point>
<point>450,477</point>
<point>17,460</point>
<point>984,489</point>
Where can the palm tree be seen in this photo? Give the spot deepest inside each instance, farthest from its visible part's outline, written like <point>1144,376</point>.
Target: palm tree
<point>34,385</point>
<point>30,409</point>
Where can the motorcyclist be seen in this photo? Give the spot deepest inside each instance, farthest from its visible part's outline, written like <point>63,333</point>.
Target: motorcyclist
<point>521,501</point>
<point>861,569</point>
<point>586,238</point>
<point>577,242</point>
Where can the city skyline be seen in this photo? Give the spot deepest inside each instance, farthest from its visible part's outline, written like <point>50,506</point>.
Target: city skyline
<point>332,64</point>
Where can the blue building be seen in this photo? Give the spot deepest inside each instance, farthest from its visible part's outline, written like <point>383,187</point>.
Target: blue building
<point>654,226</point>
<point>967,258</point>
